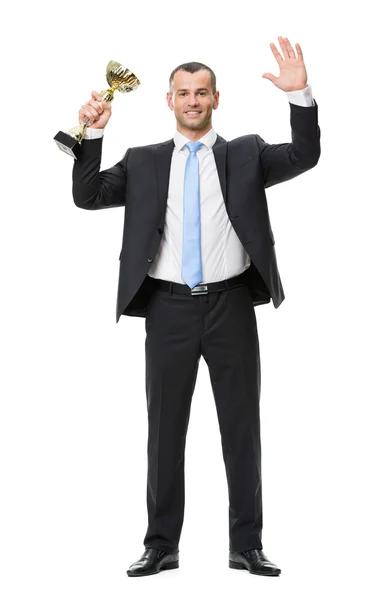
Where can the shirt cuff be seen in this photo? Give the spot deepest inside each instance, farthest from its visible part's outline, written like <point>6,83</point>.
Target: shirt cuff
<point>93,134</point>
<point>301,97</point>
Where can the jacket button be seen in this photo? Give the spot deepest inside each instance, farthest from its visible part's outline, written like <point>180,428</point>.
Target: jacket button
<point>160,230</point>
<point>149,259</point>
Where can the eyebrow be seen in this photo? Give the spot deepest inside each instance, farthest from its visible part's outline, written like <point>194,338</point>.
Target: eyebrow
<point>198,90</point>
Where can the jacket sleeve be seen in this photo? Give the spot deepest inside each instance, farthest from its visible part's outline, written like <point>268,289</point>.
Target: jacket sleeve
<point>281,162</point>
<point>94,189</point>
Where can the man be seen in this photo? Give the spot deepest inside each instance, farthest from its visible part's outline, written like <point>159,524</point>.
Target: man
<point>197,256</point>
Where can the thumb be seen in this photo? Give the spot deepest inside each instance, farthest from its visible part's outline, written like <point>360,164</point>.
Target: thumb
<point>269,76</point>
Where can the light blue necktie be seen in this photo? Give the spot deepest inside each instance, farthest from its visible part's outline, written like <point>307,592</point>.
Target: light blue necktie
<point>191,251</point>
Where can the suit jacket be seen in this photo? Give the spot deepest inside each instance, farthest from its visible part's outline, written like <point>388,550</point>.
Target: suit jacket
<point>139,182</point>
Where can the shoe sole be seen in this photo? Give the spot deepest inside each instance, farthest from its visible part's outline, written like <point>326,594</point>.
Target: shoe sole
<point>167,567</point>
<point>234,565</point>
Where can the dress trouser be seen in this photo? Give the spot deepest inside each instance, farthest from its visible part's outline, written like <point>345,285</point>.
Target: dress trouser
<point>221,327</point>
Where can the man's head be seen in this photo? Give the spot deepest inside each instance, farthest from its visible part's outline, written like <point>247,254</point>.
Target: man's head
<point>193,96</point>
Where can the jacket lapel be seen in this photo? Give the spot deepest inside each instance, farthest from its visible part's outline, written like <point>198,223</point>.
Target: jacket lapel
<point>164,159</point>
<point>220,154</point>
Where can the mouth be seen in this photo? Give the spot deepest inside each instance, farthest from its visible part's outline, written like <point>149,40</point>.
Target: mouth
<point>193,113</point>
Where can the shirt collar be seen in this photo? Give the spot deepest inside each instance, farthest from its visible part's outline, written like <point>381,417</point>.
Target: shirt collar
<point>208,140</point>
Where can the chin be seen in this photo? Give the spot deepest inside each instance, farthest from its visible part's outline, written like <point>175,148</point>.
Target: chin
<point>191,125</point>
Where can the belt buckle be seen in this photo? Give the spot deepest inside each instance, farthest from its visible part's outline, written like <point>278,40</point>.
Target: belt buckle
<point>199,289</point>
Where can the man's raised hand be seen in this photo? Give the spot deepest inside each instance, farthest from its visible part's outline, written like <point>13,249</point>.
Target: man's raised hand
<point>96,110</point>
<point>293,75</point>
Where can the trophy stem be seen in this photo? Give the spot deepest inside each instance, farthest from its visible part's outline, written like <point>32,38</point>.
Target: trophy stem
<point>107,95</point>
<point>78,132</point>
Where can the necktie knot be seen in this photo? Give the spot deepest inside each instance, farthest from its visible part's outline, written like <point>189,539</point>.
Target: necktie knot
<point>193,146</point>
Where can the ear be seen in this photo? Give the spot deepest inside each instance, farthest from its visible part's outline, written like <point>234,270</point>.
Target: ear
<point>169,99</point>
<point>216,100</point>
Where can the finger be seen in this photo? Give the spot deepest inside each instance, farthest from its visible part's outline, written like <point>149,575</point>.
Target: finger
<point>284,48</point>
<point>96,96</point>
<point>271,77</point>
<point>93,111</point>
<point>299,52</point>
<point>289,48</point>
<point>85,111</point>
<point>84,119</point>
<point>96,105</point>
<point>277,55</point>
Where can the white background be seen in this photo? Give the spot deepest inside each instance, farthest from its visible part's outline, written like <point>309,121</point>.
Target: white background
<point>73,406</point>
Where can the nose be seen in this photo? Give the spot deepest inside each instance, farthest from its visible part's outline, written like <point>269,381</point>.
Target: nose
<point>193,101</point>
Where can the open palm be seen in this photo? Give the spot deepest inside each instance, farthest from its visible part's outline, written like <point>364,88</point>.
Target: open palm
<point>293,75</point>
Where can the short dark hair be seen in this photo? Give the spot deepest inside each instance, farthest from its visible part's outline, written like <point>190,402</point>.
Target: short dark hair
<point>193,67</point>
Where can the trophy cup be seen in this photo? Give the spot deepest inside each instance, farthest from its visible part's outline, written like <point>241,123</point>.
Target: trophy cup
<point>118,78</point>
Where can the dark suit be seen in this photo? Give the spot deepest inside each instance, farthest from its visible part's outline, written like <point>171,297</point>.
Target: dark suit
<point>246,166</point>
<point>227,338</point>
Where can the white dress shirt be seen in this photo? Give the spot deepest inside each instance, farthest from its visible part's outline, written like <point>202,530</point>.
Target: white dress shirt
<point>222,254</point>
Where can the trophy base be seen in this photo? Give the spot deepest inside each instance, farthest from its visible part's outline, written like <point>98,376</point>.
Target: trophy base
<point>68,144</point>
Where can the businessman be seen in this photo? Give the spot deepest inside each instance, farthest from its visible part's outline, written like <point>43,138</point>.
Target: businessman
<point>197,256</point>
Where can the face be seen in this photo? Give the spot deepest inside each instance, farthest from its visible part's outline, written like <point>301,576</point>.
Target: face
<point>192,101</point>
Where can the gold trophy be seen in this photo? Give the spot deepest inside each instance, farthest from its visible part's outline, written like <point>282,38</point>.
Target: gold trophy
<point>119,78</point>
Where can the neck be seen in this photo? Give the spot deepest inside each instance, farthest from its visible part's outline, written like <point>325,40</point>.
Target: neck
<point>194,134</point>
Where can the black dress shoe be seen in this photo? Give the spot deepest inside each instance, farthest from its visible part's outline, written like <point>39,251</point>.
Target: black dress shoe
<point>153,561</point>
<point>254,561</point>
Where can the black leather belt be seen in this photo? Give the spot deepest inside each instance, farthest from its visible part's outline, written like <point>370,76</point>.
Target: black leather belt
<point>217,286</point>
